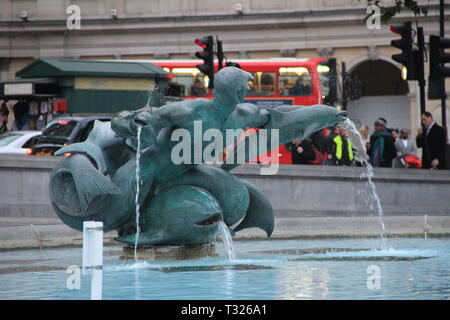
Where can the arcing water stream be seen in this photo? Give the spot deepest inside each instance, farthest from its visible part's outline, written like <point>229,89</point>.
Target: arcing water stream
<point>155,98</point>
<point>372,196</point>
<point>227,240</point>
<point>138,181</point>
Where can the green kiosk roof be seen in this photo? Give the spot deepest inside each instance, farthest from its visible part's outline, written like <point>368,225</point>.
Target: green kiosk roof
<point>64,67</point>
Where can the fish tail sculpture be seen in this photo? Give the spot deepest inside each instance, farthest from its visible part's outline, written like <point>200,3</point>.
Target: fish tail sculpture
<point>83,186</point>
<point>88,181</point>
<point>259,213</point>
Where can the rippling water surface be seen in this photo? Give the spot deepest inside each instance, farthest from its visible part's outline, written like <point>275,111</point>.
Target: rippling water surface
<point>274,269</point>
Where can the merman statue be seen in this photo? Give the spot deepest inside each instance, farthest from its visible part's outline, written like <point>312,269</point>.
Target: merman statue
<point>179,203</point>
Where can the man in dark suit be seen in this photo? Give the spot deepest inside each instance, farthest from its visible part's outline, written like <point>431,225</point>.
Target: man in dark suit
<point>432,140</point>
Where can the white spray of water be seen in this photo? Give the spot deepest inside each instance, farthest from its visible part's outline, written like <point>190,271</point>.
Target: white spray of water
<point>425,227</point>
<point>227,240</point>
<point>373,199</point>
<point>138,182</point>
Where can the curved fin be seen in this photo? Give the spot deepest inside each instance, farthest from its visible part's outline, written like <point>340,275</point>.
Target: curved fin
<point>259,213</point>
<point>87,148</point>
<point>89,182</point>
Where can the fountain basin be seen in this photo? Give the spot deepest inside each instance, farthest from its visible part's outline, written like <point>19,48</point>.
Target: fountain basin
<point>412,268</point>
<point>156,253</point>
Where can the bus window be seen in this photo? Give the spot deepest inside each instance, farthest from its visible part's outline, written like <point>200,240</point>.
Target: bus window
<point>294,81</point>
<point>191,80</point>
<point>263,84</point>
<point>198,88</point>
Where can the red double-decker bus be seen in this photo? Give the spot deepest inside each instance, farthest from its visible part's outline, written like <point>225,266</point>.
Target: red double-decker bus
<point>277,81</point>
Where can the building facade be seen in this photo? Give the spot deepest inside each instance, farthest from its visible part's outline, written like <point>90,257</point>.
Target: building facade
<point>166,29</point>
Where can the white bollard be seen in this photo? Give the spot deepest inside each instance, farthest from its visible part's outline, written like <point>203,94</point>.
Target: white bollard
<point>93,255</point>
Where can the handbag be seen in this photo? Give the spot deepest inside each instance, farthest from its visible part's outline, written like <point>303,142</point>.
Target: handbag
<point>319,157</point>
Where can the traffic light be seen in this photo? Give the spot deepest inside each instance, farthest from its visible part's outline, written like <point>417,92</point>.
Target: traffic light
<point>207,55</point>
<point>438,71</point>
<point>329,66</point>
<point>406,58</point>
<point>438,57</point>
<point>352,87</point>
<point>220,55</point>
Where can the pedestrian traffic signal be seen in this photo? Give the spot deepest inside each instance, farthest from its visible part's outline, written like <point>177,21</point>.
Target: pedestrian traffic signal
<point>406,58</point>
<point>438,57</point>
<point>207,55</point>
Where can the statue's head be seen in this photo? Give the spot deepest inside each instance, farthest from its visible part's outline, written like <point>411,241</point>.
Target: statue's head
<point>231,85</point>
<point>126,124</point>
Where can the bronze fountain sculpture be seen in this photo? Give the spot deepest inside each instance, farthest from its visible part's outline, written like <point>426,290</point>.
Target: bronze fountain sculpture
<point>179,203</point>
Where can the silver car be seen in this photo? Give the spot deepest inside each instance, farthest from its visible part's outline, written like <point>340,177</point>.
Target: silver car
<point>18,142</point>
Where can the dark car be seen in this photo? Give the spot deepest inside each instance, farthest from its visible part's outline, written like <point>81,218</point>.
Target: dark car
<point>64,131</point>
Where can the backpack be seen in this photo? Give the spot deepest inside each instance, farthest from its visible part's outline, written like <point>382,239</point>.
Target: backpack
<point>319,157</point>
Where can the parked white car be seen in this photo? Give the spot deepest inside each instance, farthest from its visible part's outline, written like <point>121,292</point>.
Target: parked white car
<point>17,142</point>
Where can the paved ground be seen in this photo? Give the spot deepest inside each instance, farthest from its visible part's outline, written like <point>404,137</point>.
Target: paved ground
<point>18,233</point>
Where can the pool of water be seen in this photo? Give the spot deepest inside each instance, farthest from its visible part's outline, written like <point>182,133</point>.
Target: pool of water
<point>273,269</point>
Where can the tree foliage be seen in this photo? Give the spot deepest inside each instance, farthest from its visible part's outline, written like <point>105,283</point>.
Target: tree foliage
<point>388,12</point>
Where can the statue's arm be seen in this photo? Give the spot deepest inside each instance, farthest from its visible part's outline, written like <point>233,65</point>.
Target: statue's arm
<point>262,118</point>
<point>178,114</point>
<point>247,115</point>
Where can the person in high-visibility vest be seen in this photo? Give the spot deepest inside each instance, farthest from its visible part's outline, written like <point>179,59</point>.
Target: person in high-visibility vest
<point>343,149</point>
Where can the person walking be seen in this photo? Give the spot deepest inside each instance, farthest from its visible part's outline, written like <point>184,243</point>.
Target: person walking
<point>381,146</point>
<point>432,139</point>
